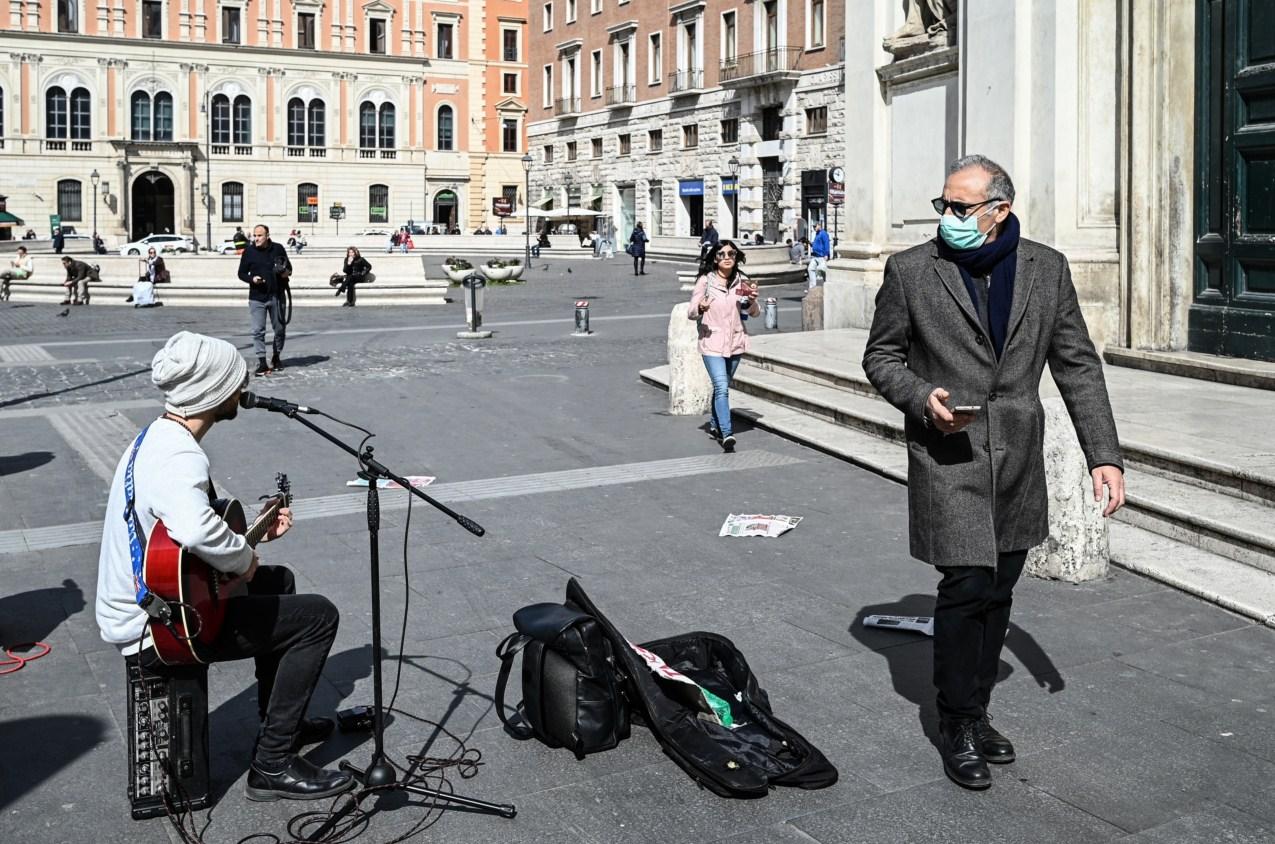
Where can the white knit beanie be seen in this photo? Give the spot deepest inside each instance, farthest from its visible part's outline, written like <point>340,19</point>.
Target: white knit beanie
<point>197,373</point>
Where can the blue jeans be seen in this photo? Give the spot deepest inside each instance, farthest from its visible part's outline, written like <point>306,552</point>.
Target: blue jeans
<point>720,371</point>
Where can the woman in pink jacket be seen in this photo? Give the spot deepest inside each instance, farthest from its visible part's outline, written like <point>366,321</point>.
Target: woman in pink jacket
<point>722,293</point>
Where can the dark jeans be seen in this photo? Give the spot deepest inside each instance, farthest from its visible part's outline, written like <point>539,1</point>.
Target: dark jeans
<point>289,636</point>
<point>971,617</point>
<point>636,259</point>
<point>260,309</point>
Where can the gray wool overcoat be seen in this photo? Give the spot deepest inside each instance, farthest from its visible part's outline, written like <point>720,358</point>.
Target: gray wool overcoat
<point>982,490</point>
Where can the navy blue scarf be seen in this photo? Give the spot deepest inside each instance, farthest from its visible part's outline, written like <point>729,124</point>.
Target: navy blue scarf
<point>998,257</point>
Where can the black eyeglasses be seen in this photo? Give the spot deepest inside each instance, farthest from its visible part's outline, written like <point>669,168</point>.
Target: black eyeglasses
<point>960,209</point>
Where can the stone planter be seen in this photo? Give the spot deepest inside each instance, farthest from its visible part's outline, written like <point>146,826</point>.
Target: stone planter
<point>502,273</point>
<point>456,275</point>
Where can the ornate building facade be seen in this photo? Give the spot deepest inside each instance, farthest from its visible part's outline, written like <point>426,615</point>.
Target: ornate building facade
<point>200,115</point>
<point>639,107</point>
<point>1139,137</point>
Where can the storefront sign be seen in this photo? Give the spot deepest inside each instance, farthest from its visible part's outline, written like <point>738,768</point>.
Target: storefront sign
<point>690,187</point>
<point>502,206</point>
<point>730,186</point>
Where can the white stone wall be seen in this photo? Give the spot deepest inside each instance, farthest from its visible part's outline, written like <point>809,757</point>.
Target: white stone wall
<point>645,169</point>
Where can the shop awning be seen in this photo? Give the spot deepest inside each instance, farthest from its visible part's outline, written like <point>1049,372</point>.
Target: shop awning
<point>543,202</point>
<point>7,219</point>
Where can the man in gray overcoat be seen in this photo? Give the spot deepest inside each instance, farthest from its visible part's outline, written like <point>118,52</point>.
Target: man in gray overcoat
<point>963,328</point>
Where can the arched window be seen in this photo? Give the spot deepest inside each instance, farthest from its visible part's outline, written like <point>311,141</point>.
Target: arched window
<point>163,116</point>
<point>221,119</point>
<point>296,122</point>
<point>386,126</point>
<point>445,127</point>
<point>378,204</point>
<point>55,112</point>
<point>314,123</point>
<point>140,109</point>
<point>232,202</point>
<point>367,126</point>
<point>81,115</point>
<point>307,211</point>
<point>243,120</point>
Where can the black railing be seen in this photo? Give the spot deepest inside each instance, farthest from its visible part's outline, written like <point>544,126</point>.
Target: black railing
<point>685,80</point>
<point>569,105</point>
<point>621,95</point>
<point>776,60</point>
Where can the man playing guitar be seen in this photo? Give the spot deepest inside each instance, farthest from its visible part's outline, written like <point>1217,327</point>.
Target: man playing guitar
<point>165,474</point>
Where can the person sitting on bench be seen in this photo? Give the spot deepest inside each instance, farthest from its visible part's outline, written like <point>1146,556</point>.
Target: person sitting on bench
<point>78,276</point>
<point>21,266</point>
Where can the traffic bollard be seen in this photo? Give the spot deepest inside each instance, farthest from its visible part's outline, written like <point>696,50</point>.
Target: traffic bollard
<point>582,319</point>
<point>772,313</point>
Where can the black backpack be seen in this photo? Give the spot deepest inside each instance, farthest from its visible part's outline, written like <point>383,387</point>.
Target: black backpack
<point>572,695</point>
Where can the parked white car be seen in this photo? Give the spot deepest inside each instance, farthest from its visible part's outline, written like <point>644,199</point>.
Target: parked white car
<point>161,243</point>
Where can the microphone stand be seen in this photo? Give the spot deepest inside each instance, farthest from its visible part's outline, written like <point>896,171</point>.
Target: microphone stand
<point>380,775</point>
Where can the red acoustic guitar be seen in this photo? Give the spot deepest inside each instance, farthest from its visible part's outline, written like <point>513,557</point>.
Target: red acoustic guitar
<point>196,591</point>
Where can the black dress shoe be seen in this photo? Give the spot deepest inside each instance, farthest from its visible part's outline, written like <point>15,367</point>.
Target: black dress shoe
<point>963,760</point>
<point>276,364</point>
<point>996,748</point>
<point>300,780</point>
<point>263,368</point>
<point>313,731</point>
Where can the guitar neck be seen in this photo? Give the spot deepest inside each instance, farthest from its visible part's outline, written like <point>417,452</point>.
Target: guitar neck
<point>257,531</point>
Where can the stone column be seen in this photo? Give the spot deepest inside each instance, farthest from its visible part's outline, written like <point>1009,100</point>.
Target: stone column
<point>690,393</point>
<point>1076,550</point>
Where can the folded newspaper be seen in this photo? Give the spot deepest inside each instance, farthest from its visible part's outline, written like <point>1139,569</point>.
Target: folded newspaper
<point>386,483</point>
<point>754,525</point>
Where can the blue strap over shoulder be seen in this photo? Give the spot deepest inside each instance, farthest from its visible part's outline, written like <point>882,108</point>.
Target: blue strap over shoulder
<point>134,527</point>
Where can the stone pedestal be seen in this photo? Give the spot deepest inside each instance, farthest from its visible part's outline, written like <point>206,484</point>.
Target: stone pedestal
<point>812,310</point>
<point>1076,550</point>
<point>690,393</point>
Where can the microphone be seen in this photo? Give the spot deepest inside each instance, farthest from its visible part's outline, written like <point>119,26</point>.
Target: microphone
<point>249,400</point>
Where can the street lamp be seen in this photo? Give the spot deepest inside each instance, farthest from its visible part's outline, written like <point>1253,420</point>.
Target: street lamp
<point>426,216</point>
<point>733,164</point>
<point>526,200</point>
<point>207,112</point>
<point>95,178</point>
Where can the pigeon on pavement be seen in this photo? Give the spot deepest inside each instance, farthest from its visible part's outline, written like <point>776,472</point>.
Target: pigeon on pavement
<point>65,311</point>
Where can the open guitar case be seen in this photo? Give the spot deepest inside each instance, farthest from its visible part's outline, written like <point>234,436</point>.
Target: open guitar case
<point>758,753</point>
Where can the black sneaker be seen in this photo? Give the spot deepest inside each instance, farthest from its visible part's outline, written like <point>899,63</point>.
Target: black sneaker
<point>300,780</point>
<point>728,443</point>
<point>276,364</point>
<point>262,367</point>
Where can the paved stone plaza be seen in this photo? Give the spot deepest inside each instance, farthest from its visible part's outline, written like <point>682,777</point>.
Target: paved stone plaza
<point>1140,714</point>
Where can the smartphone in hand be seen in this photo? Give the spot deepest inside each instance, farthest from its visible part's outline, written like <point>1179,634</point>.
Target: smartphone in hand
<point>967,409</point>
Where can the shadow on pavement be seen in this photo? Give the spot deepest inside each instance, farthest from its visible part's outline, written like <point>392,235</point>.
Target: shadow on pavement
<point>305,360</point>
<point>32,615</point>
<point>16,464</point>
<point>50,393</point>
<point>910,657</point>
<point>27,740</point>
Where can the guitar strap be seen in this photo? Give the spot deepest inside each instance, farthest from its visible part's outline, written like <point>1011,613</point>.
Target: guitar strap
<point>155,607</point>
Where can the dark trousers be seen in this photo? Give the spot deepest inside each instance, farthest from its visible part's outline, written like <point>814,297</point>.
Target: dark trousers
<point>971,617</point>
<point>636,259</point>
<point>288,635</point>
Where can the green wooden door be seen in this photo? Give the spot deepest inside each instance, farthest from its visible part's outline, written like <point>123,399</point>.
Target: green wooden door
<point>1233,311</point>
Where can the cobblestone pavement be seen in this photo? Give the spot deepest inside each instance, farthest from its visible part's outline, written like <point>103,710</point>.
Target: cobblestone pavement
<point>1140,715</point>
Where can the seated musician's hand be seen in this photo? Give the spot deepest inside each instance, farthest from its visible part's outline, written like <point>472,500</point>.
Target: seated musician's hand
<point>282,522</point>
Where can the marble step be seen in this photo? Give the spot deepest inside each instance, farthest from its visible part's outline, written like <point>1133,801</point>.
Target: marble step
<point>1232,584</point>
<point>1212,474</point>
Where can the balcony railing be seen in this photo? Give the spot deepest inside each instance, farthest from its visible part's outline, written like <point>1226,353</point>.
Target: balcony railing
<point>760,64</point>
<point>318,152</point>
<point>389,153</point>
<point>569,105</point>
<point>81,146</point>
<point>54,146</point>
<point>220,149</point>
<point>296,152</point>
<point>622,95</point>
<point>367,153</point>
<point>685,80</point>
<point>243,150</point>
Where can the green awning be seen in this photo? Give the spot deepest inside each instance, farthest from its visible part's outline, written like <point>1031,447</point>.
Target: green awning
<point>7,219</point>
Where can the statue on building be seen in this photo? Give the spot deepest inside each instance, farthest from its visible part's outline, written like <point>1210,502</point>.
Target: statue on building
<point>930,25</point>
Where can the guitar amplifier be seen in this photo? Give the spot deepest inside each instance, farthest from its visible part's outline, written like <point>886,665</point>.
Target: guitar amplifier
<point>167,739</point>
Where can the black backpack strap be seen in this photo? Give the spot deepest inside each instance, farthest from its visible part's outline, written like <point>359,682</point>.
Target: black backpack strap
<point>507,650</point>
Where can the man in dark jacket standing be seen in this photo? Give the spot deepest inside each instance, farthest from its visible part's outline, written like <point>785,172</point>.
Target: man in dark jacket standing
<point>964,325</point>
<point>264,267</point>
